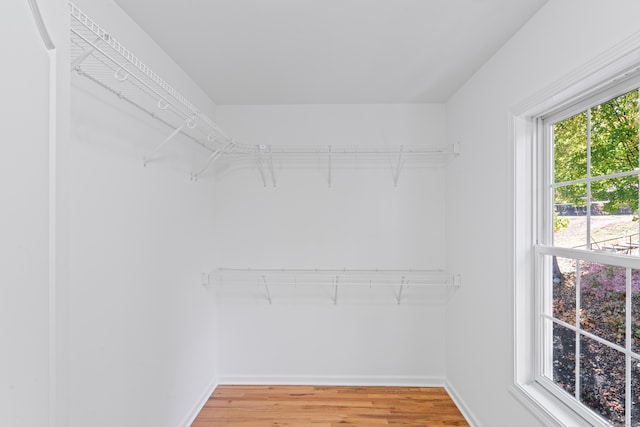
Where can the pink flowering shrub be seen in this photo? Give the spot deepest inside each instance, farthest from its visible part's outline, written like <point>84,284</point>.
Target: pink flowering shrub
<point>607,280</point>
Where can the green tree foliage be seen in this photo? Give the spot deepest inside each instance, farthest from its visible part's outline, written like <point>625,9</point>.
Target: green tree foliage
<point>614,148</point>
<point>559,223</point>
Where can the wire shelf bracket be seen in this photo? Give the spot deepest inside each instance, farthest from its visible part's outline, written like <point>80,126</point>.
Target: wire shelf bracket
<point>401,289</point>
<point>154,153</point>
<point>266,288</point>
<point>396,174</point>
<point>215,155</point>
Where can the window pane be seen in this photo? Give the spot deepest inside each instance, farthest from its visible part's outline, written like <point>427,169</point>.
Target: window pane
<point>614,135</point>
<point>564,289</point>
<point>564,358</point>
<point>635,311</point>
<point>602,379</point>
<point>603,301</point>
<point>569,220</point>
<point>635,392</point>
<point>570,148</point>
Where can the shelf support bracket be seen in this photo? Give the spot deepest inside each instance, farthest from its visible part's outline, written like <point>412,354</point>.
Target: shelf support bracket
<point>208,162</point>
<point>266,288</point>
<point>402,283</point>
<point>259,164</point>
<point>211,160</point>
<point>329,167</point>
<point>273,175</point>
<point>153,154</point>
<point>335,292</point>
<point>396,174</point>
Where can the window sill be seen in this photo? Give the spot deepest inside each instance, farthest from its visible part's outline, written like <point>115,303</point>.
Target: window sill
<point>549,409</point>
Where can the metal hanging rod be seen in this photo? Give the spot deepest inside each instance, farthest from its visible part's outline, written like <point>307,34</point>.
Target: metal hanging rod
<point>356,150</point>
<point>327,277</point>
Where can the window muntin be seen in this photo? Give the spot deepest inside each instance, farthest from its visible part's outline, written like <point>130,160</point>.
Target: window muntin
<point>589,308</point>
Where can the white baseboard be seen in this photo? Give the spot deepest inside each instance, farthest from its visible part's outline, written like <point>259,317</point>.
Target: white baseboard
<point>192,415</point>
<point>464,409</point>
<point>377,380</point>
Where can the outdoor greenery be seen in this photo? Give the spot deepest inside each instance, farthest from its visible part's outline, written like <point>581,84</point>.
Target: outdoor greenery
<point>605,139</point>
<point>613,130</point>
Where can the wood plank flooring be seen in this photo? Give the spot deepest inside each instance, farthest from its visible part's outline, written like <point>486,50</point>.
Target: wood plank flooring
<point>262,406</point>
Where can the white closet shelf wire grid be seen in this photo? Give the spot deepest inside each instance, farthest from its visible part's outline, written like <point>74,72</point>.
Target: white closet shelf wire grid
<point>332,279</point>
<point>327,277</point>
<point>96,55</point>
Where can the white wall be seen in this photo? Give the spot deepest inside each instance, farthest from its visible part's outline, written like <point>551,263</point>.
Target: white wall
<point>24,255</point>
<point>28,386</point>
<point>558,40</point>
<point>362,221</point>
<point>142,327</point>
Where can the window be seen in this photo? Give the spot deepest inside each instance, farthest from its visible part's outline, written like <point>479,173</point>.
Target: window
<point>576,264</point>
<point>588,273</point>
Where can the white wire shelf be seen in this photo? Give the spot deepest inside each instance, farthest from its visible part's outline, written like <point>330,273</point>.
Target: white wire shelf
<point>280,150</point>
<point>397,285</point>
<point>97,56</point>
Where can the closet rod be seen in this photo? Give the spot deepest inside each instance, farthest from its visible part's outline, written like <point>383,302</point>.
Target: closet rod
<point>355,150</point>
<point>330,271</point>
<point>327,277</point>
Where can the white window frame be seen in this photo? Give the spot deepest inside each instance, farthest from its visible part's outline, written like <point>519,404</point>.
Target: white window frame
<point>606,74</point>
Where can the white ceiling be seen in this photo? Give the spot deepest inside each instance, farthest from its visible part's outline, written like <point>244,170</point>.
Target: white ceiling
<point>330,51</point>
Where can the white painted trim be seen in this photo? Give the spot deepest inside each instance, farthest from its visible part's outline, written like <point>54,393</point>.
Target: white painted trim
<point>193,413</point>
<point>462,406</point>
<point>53,242</point>
<point>52,218</point>
<point>593,76</point>
<point>542,413</point>
<point>337,380</point>
<point>613,66</point>
<point>42,28</point>
<point>549,410</point>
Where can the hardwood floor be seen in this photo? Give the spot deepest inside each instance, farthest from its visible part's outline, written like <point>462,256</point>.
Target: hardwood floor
<point>319,406</point>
